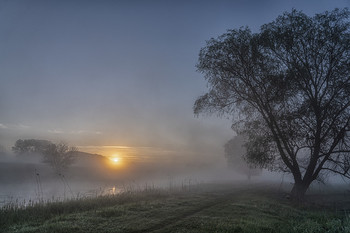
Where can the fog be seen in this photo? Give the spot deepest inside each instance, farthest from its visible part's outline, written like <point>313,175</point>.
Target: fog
<point>117,79</point>
<point>25,178</point>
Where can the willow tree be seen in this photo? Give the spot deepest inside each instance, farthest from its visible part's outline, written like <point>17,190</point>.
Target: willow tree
<point>287,89</point>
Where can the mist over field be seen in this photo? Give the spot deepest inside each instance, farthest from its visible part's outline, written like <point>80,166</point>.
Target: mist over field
<point>164,116</point>
<point>26,177</point>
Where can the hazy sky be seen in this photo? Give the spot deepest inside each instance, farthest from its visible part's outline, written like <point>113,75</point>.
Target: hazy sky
<point>118,73</point>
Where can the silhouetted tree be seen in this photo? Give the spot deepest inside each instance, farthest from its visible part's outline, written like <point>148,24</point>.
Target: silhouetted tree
<point>59,156</point>
<point>287,89</point>
<point>235,153</point>
<point>30,146</point>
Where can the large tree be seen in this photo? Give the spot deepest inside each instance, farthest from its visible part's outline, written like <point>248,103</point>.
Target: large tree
<point>287,89</point>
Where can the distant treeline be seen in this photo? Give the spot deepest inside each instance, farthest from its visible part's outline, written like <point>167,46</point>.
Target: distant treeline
<point>59,155</point>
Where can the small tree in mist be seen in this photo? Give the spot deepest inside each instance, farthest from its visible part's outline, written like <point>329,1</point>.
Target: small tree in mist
<point>235,153</point>
<point>59,156</point>
<point>287,89</point>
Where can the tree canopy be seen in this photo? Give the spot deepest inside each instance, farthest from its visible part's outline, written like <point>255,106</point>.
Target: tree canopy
<point>287,89</point>
<point>59,156</point>
<point>30,146</point>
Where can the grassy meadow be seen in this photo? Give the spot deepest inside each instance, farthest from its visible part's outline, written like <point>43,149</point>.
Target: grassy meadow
<point>202,208</point>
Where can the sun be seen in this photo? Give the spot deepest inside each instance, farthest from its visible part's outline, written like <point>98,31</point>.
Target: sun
<point>115,160</point>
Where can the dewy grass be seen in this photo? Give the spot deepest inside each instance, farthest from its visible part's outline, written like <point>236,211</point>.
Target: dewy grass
<point>221,209</point>
<point>40,211</point>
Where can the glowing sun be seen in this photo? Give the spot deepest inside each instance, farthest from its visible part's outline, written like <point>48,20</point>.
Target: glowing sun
<point>115,160</point>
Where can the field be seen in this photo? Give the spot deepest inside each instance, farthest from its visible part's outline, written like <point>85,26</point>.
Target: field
<point>200,208</point>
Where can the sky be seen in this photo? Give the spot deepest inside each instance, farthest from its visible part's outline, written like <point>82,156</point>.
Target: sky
<point>119,77</point>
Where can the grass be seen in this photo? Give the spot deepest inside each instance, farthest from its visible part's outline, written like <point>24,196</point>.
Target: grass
<point>209,208</point>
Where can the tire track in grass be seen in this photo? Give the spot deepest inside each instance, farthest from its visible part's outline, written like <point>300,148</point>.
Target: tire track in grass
<point>173,221</point>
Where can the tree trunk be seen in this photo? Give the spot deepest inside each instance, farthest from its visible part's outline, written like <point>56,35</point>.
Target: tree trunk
<point>298,191</point>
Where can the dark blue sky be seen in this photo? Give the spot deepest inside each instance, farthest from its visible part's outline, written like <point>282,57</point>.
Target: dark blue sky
<point>97,73</point>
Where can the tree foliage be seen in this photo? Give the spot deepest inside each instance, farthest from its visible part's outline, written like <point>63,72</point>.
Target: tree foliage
<point>30,146</point>
<point>287,89</point>
<point>59,156</point>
